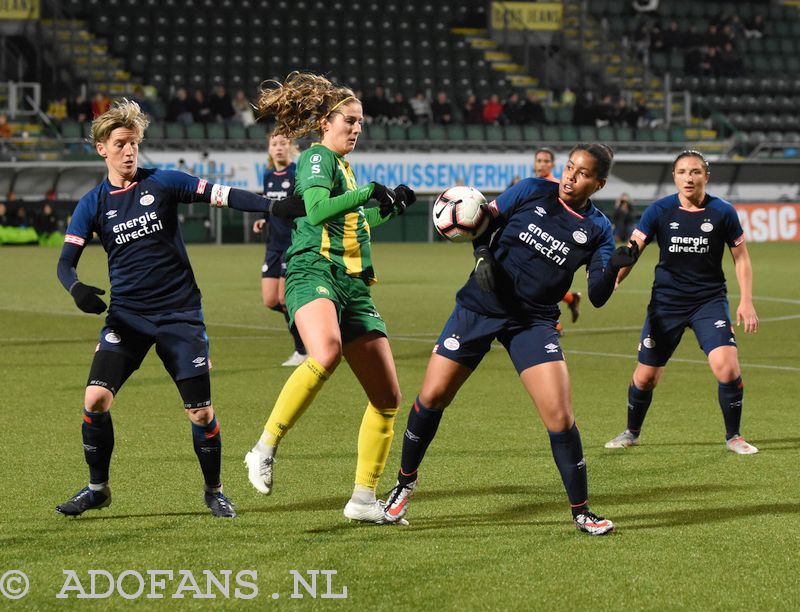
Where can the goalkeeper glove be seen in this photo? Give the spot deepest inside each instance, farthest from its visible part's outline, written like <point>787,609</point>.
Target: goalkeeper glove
<point>86,299</point>
<point>386,197</point>
<point>484,269</point>
<point>405,198</point>
<point>625,256</point>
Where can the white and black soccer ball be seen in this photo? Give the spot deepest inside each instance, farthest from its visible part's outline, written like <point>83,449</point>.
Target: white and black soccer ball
<point>459,214</point>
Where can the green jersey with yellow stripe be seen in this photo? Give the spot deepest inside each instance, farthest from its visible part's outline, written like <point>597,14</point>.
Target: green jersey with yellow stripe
<point>343,239</point>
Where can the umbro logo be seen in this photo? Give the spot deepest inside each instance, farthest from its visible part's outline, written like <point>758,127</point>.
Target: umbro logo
<point>674,225</point>
<point>540,211</point>
<point>720,324</point>
<point>111,214</point>
<point>551,348</point>
<point>199,362</point>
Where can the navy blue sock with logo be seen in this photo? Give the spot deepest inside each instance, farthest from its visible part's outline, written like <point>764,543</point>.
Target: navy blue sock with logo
<point>208,448</point>
<point>730,401</point>
<point>420,431</point>
<point>568,454</point>
<point>638,403</point>
<point>98,444</point>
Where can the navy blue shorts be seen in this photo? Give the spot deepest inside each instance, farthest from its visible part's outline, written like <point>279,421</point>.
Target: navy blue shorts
<point>662,331</point>
<point>274,265</point>
<point>180,339</point>
<point>467,337</point>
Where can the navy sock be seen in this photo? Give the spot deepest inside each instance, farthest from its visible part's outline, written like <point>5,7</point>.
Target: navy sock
<point>638,403</point>
<point>208,447</point>
<point>298,342</point>
<point>730,400</point>
<point>568,453</point>
<point>98,444</point>
<point>420,431</point>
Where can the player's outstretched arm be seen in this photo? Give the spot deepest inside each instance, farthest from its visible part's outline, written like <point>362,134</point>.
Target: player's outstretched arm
<point>603,275</point>
<point>745,312</point>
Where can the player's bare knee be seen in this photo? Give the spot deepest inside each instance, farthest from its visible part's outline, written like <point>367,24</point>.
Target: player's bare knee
<point>97,399</point>
<point>200,416</point>
<point>388,401</point>
<point>329,356</point>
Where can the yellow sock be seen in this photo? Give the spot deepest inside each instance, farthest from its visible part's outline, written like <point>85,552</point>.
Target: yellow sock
<point>296,395</point>
<point>374,442</point>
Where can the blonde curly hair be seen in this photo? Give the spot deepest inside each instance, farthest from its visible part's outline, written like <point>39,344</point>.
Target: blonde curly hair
<point>301,102</point>
<point>123,114</point>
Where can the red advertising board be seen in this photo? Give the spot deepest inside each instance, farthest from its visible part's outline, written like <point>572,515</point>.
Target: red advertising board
<point>770,221</point>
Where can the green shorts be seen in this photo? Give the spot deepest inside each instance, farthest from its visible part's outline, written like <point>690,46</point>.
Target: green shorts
<point>310,276</point>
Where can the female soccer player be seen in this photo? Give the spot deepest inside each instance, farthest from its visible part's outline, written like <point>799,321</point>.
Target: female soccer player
<point>278,184</point>
<point>541,233</point>
<point>692,229</point>
<point>154,297</point>
<point>329,272</point>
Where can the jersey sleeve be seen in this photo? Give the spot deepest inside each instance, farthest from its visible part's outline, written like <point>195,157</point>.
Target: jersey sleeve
<point>506,202</point>
<point>315,168</point>
<point>734,234</point>
<point>601,277</point>
<point>185,187</point>
<point>82,224</point>
<point>648,224</point>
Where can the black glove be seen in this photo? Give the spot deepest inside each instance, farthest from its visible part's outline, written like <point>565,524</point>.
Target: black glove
<point>288,208</point>
<point>484,269</point>
<point>85,297</point>
<point>405,198</point>
<point>625,256</point>
<point>386,197</point>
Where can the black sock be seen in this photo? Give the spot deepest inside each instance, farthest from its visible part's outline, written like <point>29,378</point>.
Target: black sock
<point>638,403</point>
<point>98,444</point>
<point>568,453</point>
<point>730,400</point>
<point>298,342</point>
<point>420,431</point>
<point>208,447</point>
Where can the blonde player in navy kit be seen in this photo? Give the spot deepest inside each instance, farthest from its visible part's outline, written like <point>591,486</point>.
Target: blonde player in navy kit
<point>541,234</point>
<point>279,184</point>
<point>154,297</point>
<point>692,229</point>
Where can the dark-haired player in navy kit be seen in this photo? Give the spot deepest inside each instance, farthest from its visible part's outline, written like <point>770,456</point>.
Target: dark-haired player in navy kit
<point>541,233</point>
<point>692,229</point>
<point>154,297</point>
<point>279,184</point>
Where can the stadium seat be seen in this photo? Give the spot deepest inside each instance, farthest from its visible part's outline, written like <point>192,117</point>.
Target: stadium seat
<point>196,131</point>
<point>215,131</point>
<point>236,131</point>
<point>174,131</point>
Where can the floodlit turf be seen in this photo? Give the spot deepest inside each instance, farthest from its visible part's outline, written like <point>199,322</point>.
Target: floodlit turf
<point>698,527</point>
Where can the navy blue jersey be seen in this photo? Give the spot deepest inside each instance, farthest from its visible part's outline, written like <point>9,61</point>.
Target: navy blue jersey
<point>539,245</point>
<point>277,186</point>
<point>138,226</point>
<point>691,243</point>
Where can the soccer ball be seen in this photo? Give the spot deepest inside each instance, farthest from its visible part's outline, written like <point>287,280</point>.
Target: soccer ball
<point>459,214</point>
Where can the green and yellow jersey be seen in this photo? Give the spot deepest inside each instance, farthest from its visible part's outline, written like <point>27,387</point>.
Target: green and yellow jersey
<point>337,225</point>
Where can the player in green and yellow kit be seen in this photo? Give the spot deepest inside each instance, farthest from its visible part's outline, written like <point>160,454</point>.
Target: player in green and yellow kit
<point>329,272</point>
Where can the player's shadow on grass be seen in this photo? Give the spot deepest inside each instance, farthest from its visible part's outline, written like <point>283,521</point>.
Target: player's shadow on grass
<point>700,515</point>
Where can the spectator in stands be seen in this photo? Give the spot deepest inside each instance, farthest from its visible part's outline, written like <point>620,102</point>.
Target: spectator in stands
<point>80,109</point>
<point>442,109</point>
<point>220,106</point>
<point>243,108</point>
<point>401,112</point>
<point>624,115</point>
<point>514,112</point>
<point>46,222</point>
<point>100,104</point>
<point>141,99</point>
<point>755,27</point>
<point>57,109</point>
<point>201,112</point>
<point>673,37</point>
<point>532,108</point>
<point>421,107</point>
<point>492,110</point>
<point>5,128</point>
<point>603,111</point>
<point>568,97</point>
<point>622,218</point>
<point>471,110</point>
<point>377,107</point>
<point>179,108</point>
<point>644,116</point>
<point>4,220</point>
<point>730,62</point>
<point>21,218</point>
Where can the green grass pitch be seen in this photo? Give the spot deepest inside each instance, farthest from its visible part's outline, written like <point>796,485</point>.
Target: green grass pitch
<point>698,527</point>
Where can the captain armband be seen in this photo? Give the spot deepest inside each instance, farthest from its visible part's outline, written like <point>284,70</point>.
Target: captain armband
<point>219,195</point>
